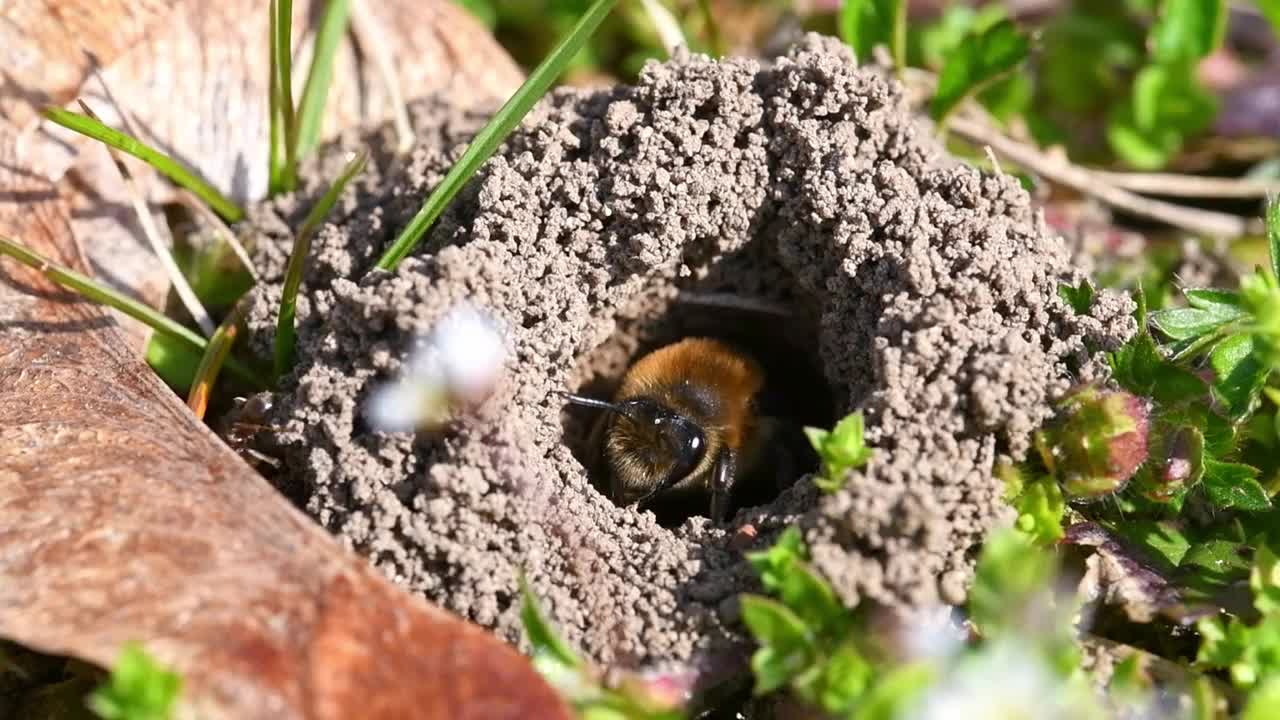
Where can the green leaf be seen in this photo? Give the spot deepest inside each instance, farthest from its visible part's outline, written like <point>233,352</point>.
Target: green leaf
<point>163,164</point>
<point>841,450</point>
<point>1080,298</point>
<point>1238,375</point>
<point>867,23</point>
<point>333,26</point>
<point>786,643</point>
<point>1167,106</point>
<point>491,136</point>
<point>1038,502</point>
<point>1211,298</point>
<point>976,63</point>
<point>1264,581</point>
<point>1140,368</point>
<point>772,563</point>
<point>284,342</point>
<point>1188,30</point>
<point>1234,485</point>
<point>1010,571</point>
<point>545,640</point>
<point>837,683</point>
<point>1264,702</point>
<point>138,688</point>
<point>175,361</point>
<point>895,691</point>
<point>1187,323</point>
<point>1161,538</point>
<point>283,127</point>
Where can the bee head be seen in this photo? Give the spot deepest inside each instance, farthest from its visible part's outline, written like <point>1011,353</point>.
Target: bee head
<point>668,445</point>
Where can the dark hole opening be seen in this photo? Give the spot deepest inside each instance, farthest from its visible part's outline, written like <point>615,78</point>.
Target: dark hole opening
<point>778,334</point>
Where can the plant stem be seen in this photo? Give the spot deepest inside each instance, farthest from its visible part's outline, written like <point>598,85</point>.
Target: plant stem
<point>214,356</point>
<point>320,75</point>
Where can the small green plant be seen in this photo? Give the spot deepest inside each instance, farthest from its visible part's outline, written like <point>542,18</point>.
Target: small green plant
<point>812,645</point>
<point>1250,653</point>
<point>139,688</point>
<point>865,24</point>
<point>626,697</point>
<point>840,449</point>
<point>984,56</point>
<point>1037,498</point>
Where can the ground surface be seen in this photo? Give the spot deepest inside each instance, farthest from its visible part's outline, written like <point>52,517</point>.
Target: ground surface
<point>931,290</point>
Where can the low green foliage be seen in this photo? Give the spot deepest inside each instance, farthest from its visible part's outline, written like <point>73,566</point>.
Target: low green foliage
<point>865,24</point>
<point>1249,652</point>
<point>333,25</point>
<point>138,688</point>
<point>1038,500</point>
<point>980,59</point>
<point>841,450</point>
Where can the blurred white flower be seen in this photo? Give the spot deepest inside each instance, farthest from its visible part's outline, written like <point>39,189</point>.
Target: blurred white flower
<point>1005,681</point>
<point>458,364</point>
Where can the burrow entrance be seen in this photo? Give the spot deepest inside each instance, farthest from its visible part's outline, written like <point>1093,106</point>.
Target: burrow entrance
<point>748,301</point>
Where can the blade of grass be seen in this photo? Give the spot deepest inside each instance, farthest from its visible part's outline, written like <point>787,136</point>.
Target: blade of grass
<point>713,28</point>
<point>333,25</point>
<point>214,356</point>
<point>301,248</point>
<point>282,51</point>
<point>149,230</point>
<point>488,139</point>
<point>99,293</point>
<point>275,116</point>
<point>163,164</point>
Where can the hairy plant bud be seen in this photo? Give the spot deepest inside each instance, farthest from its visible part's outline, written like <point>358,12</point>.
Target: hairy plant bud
<point>1097,443</point>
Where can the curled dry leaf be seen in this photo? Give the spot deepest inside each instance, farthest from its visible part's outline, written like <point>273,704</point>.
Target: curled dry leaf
<point>124,519</point>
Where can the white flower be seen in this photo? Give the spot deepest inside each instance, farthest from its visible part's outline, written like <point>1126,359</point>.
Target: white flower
<point>459,364</point>
<point>1005,681</point>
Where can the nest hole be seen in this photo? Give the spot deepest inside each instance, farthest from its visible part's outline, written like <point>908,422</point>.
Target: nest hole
<point>775,327</point>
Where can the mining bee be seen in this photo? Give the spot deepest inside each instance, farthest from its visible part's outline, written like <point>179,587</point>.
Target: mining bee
<point>685,424</point>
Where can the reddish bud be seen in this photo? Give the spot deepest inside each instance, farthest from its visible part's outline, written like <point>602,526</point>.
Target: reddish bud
<point>1097,443</point>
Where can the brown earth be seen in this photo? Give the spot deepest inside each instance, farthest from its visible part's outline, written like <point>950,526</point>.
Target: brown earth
<point>922,291</point>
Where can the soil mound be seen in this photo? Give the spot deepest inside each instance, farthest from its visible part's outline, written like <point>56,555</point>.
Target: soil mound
<point>922,291</point>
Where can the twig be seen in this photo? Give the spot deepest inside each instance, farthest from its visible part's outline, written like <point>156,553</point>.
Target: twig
<point>733,301</point>
<point>179,281</point>
<point>370,38</point>
<point>1195,186</point>
<point>1095,184</point>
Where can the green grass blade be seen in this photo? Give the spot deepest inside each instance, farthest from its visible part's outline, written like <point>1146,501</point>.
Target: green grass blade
<point>275,131</point>
<point>163,164</point>
<point>713,28</point>
<point>320,75</point>
<point>285,338</point>
<point>99,293</point>
<point>214,356</point>
<point>488,139</point>
<point>282,76</point>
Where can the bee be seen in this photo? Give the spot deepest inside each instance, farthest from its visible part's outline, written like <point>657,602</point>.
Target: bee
<point>684,421</point>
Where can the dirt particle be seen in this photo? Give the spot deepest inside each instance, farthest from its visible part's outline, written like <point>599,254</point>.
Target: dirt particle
<point>933,287</point>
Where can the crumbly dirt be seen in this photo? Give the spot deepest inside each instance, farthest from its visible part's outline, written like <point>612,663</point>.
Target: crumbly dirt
<point>929,288</point>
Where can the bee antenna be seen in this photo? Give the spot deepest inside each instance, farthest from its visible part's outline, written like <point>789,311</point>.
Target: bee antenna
<point>585,401</point>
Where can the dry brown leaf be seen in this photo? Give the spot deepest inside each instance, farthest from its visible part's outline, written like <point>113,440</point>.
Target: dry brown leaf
<point>125,519</point>
<point>192,77</point>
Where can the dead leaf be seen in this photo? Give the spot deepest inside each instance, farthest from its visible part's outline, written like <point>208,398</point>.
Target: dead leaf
<point>124,519</point>
<point>192,77</point>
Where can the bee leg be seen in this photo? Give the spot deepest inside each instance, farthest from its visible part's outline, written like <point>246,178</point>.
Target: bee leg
<point>723,476</point>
